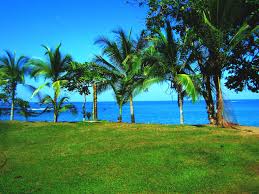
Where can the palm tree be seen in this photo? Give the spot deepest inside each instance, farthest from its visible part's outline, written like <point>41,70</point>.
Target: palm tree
<point>119,53</point>
<point>58,106</point>
<point>12,74</point>
<point>53,70</point>
<point>173,65</point>
<point>206,87</point>
<point>224,24</point>
<point>112,79</point>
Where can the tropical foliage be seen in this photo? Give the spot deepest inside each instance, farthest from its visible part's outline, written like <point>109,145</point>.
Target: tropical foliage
<point>53,71</point>
<point>188,44</point>
<point>25,109</point>
<point>174,65</point>
<point>12,74</point>
<point>79,78</point>
<point>218,27</point>
<point>123,66</point>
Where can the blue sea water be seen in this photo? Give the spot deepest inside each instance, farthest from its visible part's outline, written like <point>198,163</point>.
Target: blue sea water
<point>245,112</point>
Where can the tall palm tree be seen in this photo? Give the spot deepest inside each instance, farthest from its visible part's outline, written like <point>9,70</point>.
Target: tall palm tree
<point>119,52</point>
<point>224,24</point>
<point>112,79</point>
<point>173,65</point>
<point>12,74</point>
<point>53,70</point>
<point>206,86</point>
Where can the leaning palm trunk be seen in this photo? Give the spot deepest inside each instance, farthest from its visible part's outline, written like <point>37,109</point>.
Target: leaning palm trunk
<point>95,117</point>
<point>120,114</point>
<point>180,105</point>
<point>209,101</point>
<point>219,114</point>
<point>12,106</point>
<point>207,92</point>
<point>132,109</point>
<point>210,111</point>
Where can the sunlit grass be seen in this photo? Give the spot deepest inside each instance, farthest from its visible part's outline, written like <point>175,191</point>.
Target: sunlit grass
<point>111,157</point>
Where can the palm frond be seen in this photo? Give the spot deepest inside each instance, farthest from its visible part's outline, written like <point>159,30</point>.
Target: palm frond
<point>188,85</point>
<point>61,102</point>
<point>146,84</point>
<point>68,107</point>
<point>243,32</point>
<point>40,88</point>
<point>207,21</point>
<point>48,100</point>
<point>38,68</point>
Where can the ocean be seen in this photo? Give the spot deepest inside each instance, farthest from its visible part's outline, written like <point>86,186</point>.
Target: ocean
<point>244,112</point>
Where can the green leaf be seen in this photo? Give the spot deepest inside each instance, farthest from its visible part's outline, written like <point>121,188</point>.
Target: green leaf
<point>241,34</point>
<point>57,86</point>
<point>40,88</point>
<point>206,20</point>
<point>188,85</point>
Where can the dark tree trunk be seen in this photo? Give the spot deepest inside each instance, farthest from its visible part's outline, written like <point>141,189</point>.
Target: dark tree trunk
<point>84,108</point>
<point>55,107</point>
<point>220,107</point>
<point>209,100</point>
<point>207,92</point>
<point>12,104</point>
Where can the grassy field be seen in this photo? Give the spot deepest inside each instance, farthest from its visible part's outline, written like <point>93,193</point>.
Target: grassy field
<point>111,157</point>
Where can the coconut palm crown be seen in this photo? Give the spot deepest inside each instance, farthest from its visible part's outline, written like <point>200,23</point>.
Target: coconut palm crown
<point>120,68</point>
<point>174,65</point>
<point>13,72</point>
<point>53,70</point>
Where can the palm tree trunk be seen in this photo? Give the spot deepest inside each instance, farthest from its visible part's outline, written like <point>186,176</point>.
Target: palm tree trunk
<point>209,101</point>
<point>219,114</point>
<point>55,117</point>
<point>120,114</point>
<point>95,115</point>
<point>132,110</point>
<point>12,105</point>
<point>84,108</point>
<point>55,120</point>
<point>210,111</point>
<point>180,105</point>
<point>207,92</point>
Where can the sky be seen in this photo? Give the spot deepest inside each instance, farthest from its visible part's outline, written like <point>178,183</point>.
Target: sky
<point>27,24</point>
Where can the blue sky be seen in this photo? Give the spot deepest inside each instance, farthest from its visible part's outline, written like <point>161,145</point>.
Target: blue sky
<point>26,24</point>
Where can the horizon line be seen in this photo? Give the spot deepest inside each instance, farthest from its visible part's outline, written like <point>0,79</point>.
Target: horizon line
<point>165,100</point>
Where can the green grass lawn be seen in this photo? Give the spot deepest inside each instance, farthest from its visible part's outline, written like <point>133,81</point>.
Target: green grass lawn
<point>111,157</point>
